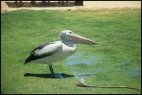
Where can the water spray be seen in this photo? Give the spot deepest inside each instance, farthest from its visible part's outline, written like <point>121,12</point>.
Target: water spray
<point>80,60</point>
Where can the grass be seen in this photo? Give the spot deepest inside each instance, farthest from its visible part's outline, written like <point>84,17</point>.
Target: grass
<point>117,54</point>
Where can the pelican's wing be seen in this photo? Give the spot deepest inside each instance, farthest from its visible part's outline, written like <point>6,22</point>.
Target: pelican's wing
<point>44,50</point>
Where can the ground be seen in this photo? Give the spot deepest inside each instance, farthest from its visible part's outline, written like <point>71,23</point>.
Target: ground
<point>114,61</point>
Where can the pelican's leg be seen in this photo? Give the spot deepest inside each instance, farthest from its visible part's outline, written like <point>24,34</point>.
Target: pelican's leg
<point>52,71</point>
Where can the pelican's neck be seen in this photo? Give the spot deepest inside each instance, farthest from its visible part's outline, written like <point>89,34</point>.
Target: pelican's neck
<point>67,42</point>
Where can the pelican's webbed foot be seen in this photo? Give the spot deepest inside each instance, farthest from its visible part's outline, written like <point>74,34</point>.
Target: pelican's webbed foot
<point>53,75</point>
<point>52,71</point>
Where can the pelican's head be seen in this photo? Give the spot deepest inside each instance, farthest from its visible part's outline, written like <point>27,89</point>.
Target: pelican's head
<point>68,35</point>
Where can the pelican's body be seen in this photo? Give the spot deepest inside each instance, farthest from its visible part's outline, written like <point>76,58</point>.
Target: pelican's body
<point>48,53</point>
<point>57,49</point>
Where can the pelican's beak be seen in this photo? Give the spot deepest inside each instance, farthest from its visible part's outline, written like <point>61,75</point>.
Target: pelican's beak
<point>80,39</point>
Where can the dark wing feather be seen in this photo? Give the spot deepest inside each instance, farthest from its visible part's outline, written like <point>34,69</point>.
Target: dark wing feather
<point>33,56</point>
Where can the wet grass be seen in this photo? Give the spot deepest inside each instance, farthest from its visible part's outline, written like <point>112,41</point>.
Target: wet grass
<point>115,60</point>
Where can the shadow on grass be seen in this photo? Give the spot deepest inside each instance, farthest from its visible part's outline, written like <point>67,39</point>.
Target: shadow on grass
<point>46,75</point>
<point>49,75</point>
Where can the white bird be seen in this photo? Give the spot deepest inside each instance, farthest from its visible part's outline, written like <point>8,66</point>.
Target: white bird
<point>49,53</point>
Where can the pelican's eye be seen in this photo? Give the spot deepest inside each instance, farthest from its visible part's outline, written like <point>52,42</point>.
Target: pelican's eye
<point>70,32</point>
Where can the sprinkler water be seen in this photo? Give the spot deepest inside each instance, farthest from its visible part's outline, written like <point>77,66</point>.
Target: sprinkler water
<point>81,83</point>
<point>81,67</point>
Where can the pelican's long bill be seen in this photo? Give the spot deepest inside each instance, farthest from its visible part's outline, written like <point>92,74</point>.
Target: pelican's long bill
<point>80,39</point>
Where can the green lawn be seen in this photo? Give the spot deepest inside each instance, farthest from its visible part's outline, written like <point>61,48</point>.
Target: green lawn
<point>114,61</point>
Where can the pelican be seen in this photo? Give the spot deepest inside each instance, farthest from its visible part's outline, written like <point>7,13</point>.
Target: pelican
<point>48,53</point>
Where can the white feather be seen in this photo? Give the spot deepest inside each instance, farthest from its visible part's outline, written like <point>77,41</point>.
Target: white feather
<point>49,48</point>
